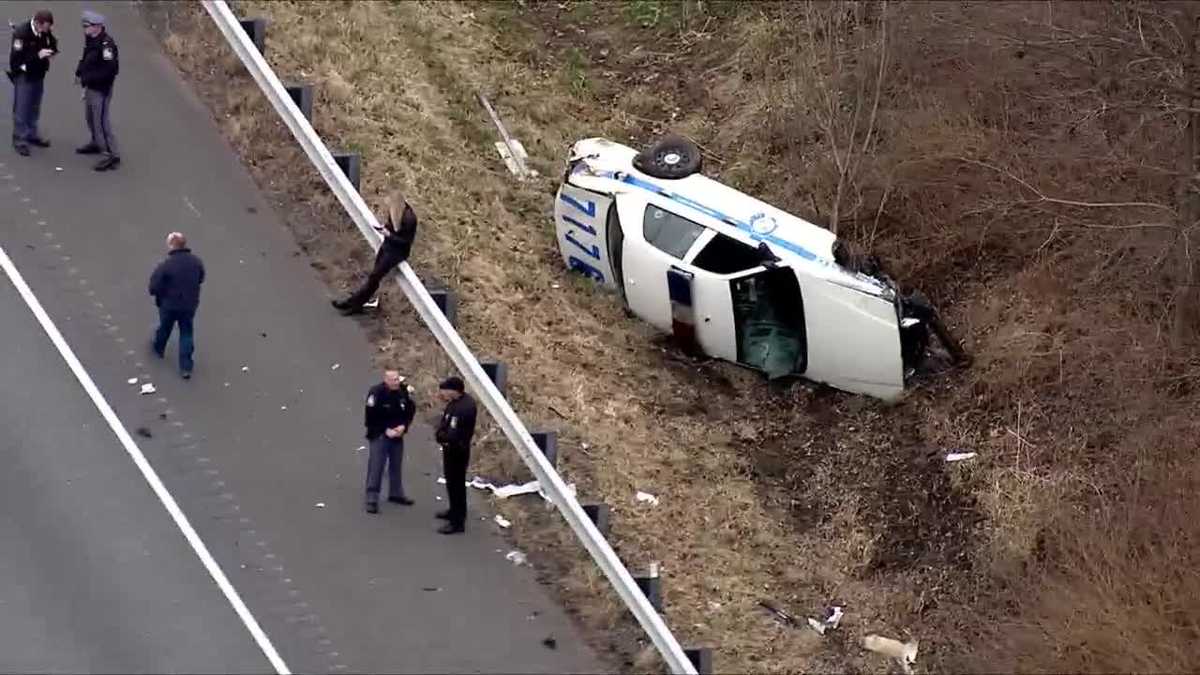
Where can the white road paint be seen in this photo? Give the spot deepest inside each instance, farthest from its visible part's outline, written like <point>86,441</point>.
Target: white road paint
<point>139,459</point>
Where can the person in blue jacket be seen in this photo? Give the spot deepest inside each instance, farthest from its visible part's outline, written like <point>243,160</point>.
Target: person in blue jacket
<point>175,285</point>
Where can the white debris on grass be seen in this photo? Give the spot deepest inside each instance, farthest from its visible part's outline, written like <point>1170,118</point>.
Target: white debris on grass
<point>833,617</point>
<point>647,498</point>
<point>959,456</point>
<point>517,558</point>
<point>502,521</point>
<point>904,653</point>
<point>148,388</point>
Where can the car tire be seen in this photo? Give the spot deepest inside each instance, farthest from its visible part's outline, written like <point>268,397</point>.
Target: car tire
<point>672,157</point>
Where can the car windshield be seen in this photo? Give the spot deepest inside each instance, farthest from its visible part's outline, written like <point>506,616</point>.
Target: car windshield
<point>669,233</point>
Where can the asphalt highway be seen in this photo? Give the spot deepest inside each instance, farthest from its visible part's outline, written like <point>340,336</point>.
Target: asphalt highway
<point>260,448</point>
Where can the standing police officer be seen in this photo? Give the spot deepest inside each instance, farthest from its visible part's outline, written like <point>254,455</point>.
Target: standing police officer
<point>454,435</point>
<point>389,413</point>
<point>97,70</point>
<point>33,45</point>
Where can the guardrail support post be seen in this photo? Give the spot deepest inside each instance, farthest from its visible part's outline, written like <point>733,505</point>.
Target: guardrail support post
<point>351,165</point>
<point>651,586</point>
<point>257,30</point>
<point>498,373</point>
<point>302,94</point>
<point>599,513</point>
<point>701,658</point>
<point>547,442</point>
<point>446,301</point>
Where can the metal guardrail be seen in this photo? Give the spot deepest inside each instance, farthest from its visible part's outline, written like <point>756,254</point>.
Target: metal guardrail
<point>453,345</point>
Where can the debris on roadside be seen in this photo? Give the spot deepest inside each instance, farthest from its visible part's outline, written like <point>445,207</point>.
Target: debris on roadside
<point>335,366</point>
<point>132,380</point>
<point>904,653</point>
<point>245,369</point>
<point>647,498</point>
<point>517,558</point>
<point>502,521</point>
<point>960,456</point>
<point>148,388</point>
<point>780,615</point>
<point>831,619</point>
<point>550,643</point>
<point>320,505</point>
<point>144,432</point>
<point>432,589</point>
<point>361,448</point>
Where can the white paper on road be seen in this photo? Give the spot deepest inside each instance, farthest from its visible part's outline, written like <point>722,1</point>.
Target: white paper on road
<point>148,388</point>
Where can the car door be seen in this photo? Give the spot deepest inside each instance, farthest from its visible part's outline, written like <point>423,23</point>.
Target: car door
<point>655,240</point>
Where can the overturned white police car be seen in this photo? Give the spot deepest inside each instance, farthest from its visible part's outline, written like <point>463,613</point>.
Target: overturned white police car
<point>733,277</point>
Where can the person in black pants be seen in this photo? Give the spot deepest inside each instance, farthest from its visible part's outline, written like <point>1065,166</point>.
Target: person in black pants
<point>396,246</point>
<point>454,435</point>
<point>389,413</point>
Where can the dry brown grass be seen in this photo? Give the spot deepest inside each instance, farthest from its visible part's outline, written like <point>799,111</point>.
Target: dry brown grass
<point>1025,557</point>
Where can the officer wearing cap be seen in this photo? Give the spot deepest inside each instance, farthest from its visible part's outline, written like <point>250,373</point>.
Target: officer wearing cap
<point>389,413</point>
<point>454,434</point>
<point>33,45</point>
<point>96,73</point>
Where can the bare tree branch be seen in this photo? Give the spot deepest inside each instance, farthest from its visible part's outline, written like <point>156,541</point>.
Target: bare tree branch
<point>1041,197</point>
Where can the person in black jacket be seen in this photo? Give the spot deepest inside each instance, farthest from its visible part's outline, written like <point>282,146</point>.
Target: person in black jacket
<point>96,73</point>
<point>454,434</point>
<point>389,413</point>
<point>396,246</point>
<point>175,285</point>
<point>33,45</point>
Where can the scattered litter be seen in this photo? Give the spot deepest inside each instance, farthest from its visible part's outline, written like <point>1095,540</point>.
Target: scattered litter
<point>441,480</point>
<point>245,369</point>
<point>148,388</point>
<point>780,615</point>
<point>58,168</point>
<point>432,589</point>
<point>647,497</point>
<point>335,366</point>
<point>283,407</point>
<point>263,334</point>
<point>904,653</point>
<point>502,521</point>
<point>516,557</point>
<point>320,505</point>
<point>550,643</point>
<point>833,616</point>
<point>714,605</point>
<point>132,380</point>
<point>144,432</point>
<point>514,490</point>
<point>554,286</point>
<point>361,448</point>
<point>226,384</point>
<point>959,456</point>
<point>372,303</point>
<point>437,498</point>
<point>162,416</point>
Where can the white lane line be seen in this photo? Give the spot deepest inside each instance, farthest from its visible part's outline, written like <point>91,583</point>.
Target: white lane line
<point>106,411</point>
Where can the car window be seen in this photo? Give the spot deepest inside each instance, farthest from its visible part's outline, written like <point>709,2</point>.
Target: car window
<point>669,233</point>
<point>726,255</point>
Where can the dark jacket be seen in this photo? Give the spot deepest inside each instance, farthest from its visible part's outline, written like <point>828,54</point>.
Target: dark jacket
<point>175,283</point>
<point>458,423</point>
<point>387,408</point>
<point>397,242</point>
<point>99,64</point>
<point>23,52</point>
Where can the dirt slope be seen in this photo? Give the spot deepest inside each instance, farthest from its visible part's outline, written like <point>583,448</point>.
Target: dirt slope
<point>1003,175</point>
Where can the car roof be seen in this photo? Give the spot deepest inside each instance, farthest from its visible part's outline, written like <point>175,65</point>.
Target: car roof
<point>726,210</point>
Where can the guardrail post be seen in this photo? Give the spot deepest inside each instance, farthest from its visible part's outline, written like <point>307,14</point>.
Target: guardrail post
<point>257,30</point>
<point>446,301</point>
<point>547,442</point>
<point>302,94</point>
<point>701,658</point>
<point>497,372</point>
<point>599,513</point>
<point>351,165</point>
<point>651,586</point>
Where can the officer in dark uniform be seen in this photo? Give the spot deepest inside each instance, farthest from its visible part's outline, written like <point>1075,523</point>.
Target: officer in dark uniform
<point>396,246</point>
<point>454,434</point>
<point>389,413</point>
<point>96,72</point>
<point>33,45</point>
